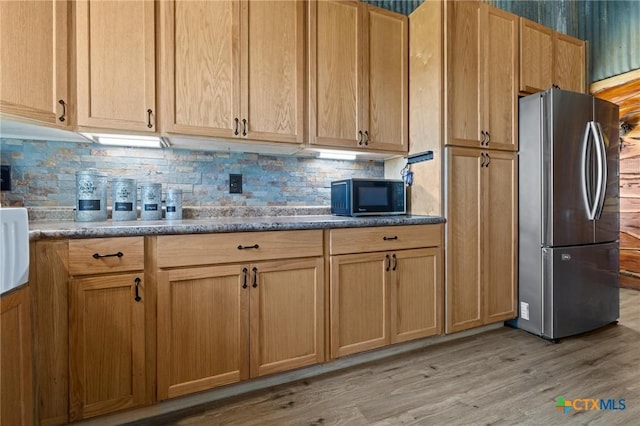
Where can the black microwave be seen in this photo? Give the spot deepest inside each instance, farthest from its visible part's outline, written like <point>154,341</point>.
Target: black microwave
<point>362,197</point>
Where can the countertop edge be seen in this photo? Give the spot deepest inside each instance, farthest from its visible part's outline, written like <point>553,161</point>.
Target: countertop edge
<point>70,229</point>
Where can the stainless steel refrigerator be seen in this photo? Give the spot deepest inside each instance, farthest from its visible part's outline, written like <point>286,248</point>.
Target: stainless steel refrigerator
<point>568,213</point>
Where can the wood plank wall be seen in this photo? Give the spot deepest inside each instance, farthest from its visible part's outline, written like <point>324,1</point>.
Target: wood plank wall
<point>630,213</point>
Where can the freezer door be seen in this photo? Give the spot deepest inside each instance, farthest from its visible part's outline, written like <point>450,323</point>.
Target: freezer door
<point>607,227</point>
<point>580,289</point>
<point>565,118</point>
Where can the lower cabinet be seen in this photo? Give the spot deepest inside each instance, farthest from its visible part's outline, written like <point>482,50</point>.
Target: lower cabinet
<point>106,344</point>
<point>220,324</point>
<point>16,390</point>
<point>482,237</point>
<point>107,333</point>
<point>384,297</point>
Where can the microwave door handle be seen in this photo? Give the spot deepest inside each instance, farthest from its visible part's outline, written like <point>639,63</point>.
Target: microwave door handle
<point>585,172</point>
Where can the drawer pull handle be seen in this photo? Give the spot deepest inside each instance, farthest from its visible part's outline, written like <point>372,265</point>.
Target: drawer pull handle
<point>395,237</point>
<point>137,281</point>
<point>395,262</point>
<point>98,256</point>
<point>241,247</point>
<point>388,262</point>
<point>255,277</point>
<point>244,277</point>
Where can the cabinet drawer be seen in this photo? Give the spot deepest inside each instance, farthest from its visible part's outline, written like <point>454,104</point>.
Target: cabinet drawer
<point>100,255</point>
<point>204,249</point>
<point>360,240</point>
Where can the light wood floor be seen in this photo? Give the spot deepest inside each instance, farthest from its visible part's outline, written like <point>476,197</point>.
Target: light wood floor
<point>504,376</point>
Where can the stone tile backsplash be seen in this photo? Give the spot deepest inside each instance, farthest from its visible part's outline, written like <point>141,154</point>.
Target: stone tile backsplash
<point>43,174</point>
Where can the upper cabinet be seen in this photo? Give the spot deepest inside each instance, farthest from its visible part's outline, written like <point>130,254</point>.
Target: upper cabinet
<point>481,79</point>
<point>358,76</point>
<point>33,60</point>
<point>234,69</point>
<point>549,58</point>
<point>569,68</point>
<point>115,65</point>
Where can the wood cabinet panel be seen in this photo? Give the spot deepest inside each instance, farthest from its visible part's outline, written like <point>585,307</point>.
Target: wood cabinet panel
<point>115,54</point>
<point>201,66</point>
<point>386,94</point>
<point>28,91</point>
<point>416,294</point>
<point>500,247</point>
<point>83,262</point>
<point>203,329</point>
<point>569,63</point>
<point>287,315</point>
<point>49,281</point>
<point>482,237</point>
<point>536,57</point>
<point>464,240</point>
<point>106,345</point>
<point>354,240</point>
<point>273,72</point>
<point>335,67</point>
<point>464,76</point>
<point>189,250</point>
<point>359,303</point>
<point>500,92</point>
<point>16,387</point>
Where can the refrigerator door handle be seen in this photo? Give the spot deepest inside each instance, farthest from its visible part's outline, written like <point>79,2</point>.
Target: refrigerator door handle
<point>585,173</point>
<point>602,167</point>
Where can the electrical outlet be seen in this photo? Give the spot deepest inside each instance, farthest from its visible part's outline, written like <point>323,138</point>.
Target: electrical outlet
<point>235,184</point>
<point>5,178</point>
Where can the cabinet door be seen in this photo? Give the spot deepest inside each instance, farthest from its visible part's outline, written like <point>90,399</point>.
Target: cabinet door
<point>500,239</point>
<point>106,345</point>
<point>16,398</point>
<point>33,60</point>
<point>500,92</point>
<point>464,76</point>
<point>335,70</point>
<point>273,70</point>
<point>569,63</point>
<point>203,329</point>
<point>200,54</point>
<point>287,315</point>
<point>115,51</point>
<point>464,209</point>
<point>385,80</point>
<point>359,308</point>
<point>536,57</point>
<point>416,294</point>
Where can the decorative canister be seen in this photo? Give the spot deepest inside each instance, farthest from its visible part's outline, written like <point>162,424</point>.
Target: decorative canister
<point>174,204</point>
<point>151,201</point>
<point>91,196</point>
<point>124,198</point>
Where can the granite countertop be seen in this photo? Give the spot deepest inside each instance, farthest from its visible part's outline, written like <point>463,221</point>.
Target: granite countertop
<point>71,229</point>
